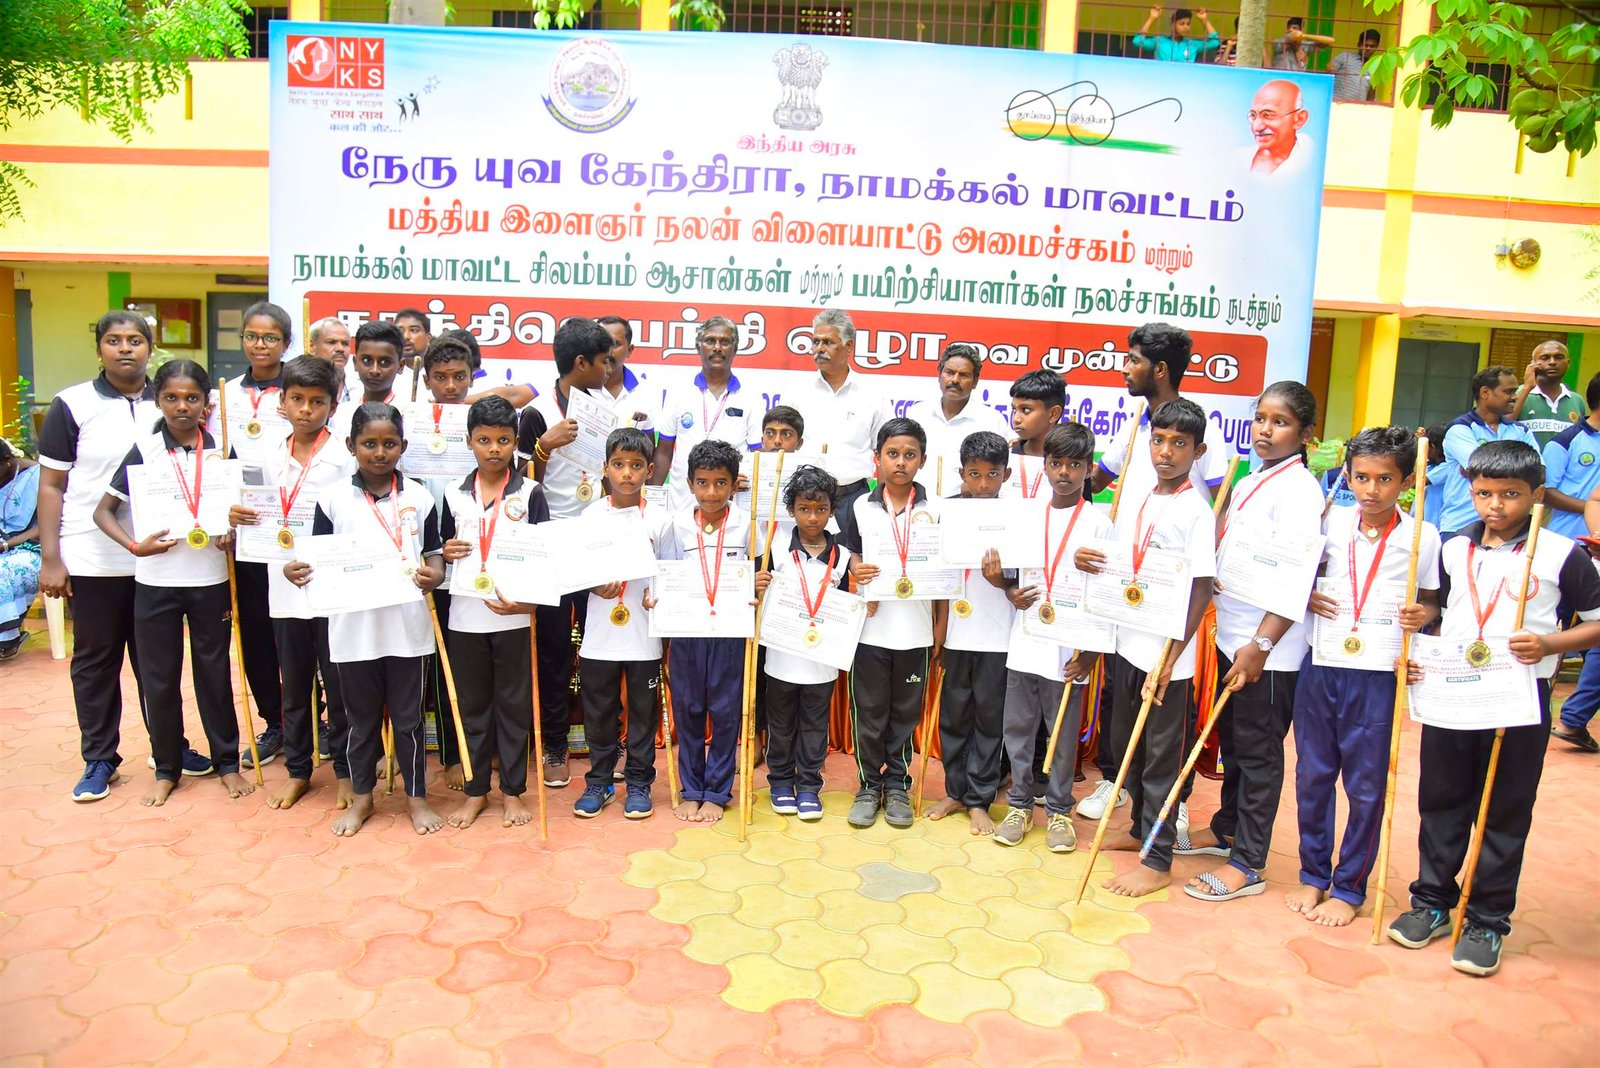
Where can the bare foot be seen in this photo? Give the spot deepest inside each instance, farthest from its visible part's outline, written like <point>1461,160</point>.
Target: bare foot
<point>454,778</point>
<point>710,812</point>
<point>237,784</point>
<point>158,794</point>
<point>360,808</point>
<point>424,820</point>
<point>286,795</point>
<point>1138,882</point>
<point>948,807</point>
<point>345,796</point>
<point>1119,844</point>
<point>1332,913</point>
<point>688,811</point>
<point>468,811</point>
<point>517,814</point>
<point>982,822</point>
<point>1303,899</point>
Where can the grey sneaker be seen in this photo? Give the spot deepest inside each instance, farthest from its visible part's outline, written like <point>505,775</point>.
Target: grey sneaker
<point>1420,926</point>
<point>897,809</point>
<point>1478,952</point>
<point>864,810</point>
<point>1060,836</point>
<point>1013,827</point>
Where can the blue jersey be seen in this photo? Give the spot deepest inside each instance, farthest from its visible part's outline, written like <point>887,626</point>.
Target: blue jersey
<point>1572,465</point>
<point>1466,433</point>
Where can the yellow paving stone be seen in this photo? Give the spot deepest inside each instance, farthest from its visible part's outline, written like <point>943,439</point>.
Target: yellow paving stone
<point>779,849</point>
<point>851,988</point>
<point>806,944</point>
<point>1042,999</point>
<point>731,871</point>
<point>895,948</point>
<point>947,994</point>
<point>950,832</point>
<point>986,857</point>
<point>935,916</point>
<point>1074,960</point>
<point>1010,918</point>
<point>683,901</point>
<point>757,981</point>
<point>1043,887</point>
<point>968,886</point>
<point>719,938</point>
<point>810,877</point>
<point>848,852</point>
<point>1090,923</point>
<point>847,911</point>
<point>920,854</point>
<point>696,843</point>
<point>656,866</point>
<point>768,906</point>
<point>982,954</point>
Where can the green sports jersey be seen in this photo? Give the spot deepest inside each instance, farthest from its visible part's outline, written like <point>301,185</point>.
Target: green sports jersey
<point>1545,420</point>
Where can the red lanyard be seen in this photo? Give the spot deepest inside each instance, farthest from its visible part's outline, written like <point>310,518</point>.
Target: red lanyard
<point>287,500</point>
<point>711,581</point>
<point>486,530</point>
<point>1141,545</point>
<point>1239,506</point>
<point>1360,598</point>
<point>1051,567</point>
<point>705,419</point>
<point>255,396</point>
<point>812,608</point>
<point>1480,614</point>
<point>1022,476</point>
<point>438,417</point>
<point>395,532</point>
<point>902,542</point>
<point>191,497</point>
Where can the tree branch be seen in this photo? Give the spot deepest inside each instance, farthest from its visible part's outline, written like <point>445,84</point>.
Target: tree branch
<point>1586,15</point>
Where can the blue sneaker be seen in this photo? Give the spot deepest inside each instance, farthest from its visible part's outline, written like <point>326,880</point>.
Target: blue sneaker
<point>809,807</point>
<point>1478,952</point>
<point>593,800</point>
<point>98,775</point>
<point>784,803</point>
<point>269,743</point>
<point>1420,926</point>
<point>194,765</point>
<point>638,806</point>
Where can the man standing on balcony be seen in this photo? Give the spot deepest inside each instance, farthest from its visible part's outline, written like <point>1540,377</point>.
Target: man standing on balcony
<point>1179,47</point>
<point>1350,81</point>
<point>1293,50</point>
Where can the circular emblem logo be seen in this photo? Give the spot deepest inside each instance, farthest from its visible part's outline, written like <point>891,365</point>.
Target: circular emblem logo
<point>1572,417</point>
<point>1586,459</point>
<point>588,86</point>
<point>687,420</point>
<point>515,510</point>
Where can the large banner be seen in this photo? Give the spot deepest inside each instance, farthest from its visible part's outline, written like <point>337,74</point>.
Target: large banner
<point>1035,205</point>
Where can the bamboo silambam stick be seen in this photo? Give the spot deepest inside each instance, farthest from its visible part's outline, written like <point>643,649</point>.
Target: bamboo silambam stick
<point>927,736</point>
<point>664,699</point>
<point>1127,457</point>
<point>1386,834</point>
<point>538,726</point>
<point>245,722</point>
<point>1188,766</point>
<point>1481,823</point>
<point>450,687</point>
<point>755,675</point>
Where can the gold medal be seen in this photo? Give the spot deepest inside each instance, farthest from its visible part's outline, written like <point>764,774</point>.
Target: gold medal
<point>620,616</point>
<point>1133,594</point>
<point>252,429</point>
<point>812,637</point>
<point>962,608</point>
<point>408,571</point>
<point>198,539</point>
<point>1353,644</point>
<point>285,539</point>
<point>1047,613</point>
<point>484,583</point>
<point>903,588</point>
<point>1478,654</point>
<point>585,494</point>
<point>437,444</point>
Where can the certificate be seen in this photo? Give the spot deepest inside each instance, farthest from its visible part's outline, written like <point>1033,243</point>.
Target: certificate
<point>595,549</point>
<point>1377,641</point>
<point>1269,568</point>
<point>158,503</point>
<point>762,493</point>
<point>931,579</point>
<point>656,497</point>
<point>684,611</point>
<point>595,422</point>
<point>1158,603</point>
<point>831,639</point>
<point>255,434</point>
<point>1456,695</point>
<point>1071,626</point>
<point>518,566</point>
<point>352,574</point>
<point>263,543</point>
<point>436,441</point>
<point>971,526</point>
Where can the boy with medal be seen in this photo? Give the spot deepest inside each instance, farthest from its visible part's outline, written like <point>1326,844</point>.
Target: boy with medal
<point>618,649</point>
<point>1480,586</point>
<point>891,665</point>
<point>375,359</point>
<point>1175,519</point>
<point>1037,400</point>
<point>973,701</point>
<point>488,638</point>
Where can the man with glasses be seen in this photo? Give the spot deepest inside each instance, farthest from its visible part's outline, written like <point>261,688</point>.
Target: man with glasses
<point>714,406</point>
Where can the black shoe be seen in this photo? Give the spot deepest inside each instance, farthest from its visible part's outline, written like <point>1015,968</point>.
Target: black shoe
<point>897,809</point>
<point>864,810</point>
<point>1580,738</point>
<point>323,748</point>
<point>1478,952</point>
<point>269,743</point>
<point>1420,926</point>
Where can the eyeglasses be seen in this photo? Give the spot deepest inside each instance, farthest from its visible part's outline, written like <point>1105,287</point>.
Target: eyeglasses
<point>265,339</point>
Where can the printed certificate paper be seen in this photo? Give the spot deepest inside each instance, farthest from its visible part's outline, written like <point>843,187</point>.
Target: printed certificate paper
<point>519,566</point>
<point>931,579</point>
<point>683,611</point>
<point>762,492</point>
<point>436,441</point>
<point>972,526</point>
<point>787,626</point>
<point>256,450</point>
<point>260,543</point>
<point>352,574</point>
<point>1457,696</point>
<point>1378,640</point>
<point>592,550</point>
<point>157,499</point>
<point>595,423</point>
<point>1161,605</point>
<point>1270,569</point>
<point>1072,626</point>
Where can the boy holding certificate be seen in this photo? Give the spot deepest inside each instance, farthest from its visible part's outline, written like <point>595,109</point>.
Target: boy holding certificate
<point>707,673</point>
<point>1037,401</point>
<point>892,661</point>
<point>970,709</point>
<point>1177,522</point>
<point>618,646</point>
<point>305,462</point>
<point>1481,583</point>
<point>1344,701</point>
<point>488,640</point>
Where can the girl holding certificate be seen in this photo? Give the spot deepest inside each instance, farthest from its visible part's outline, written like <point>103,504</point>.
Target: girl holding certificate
<point>179,576</point>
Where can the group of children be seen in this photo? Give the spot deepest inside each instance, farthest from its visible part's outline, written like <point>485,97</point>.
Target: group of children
<point>1005,690</point>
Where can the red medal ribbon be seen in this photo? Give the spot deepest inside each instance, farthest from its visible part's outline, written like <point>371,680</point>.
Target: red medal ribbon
<point>711,581</point>
<point>1052,567</point>
<point>812,608</point>
<point>395,532</point>
<point>1481,615</point>
<point>255,396</point>
<point>1360,599</point>
<point>286,501</point>
<point>486,530</point>
<point>191,497</point>
<point>1141,546</point>
<point>1239,506</point>
<point>902,542</point>
<point>438,417</point>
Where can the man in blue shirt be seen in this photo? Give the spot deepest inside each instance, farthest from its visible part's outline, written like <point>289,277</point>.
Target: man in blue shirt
<point>1572,469</point>
<point>1494,394</point>
<point>1179,46</point>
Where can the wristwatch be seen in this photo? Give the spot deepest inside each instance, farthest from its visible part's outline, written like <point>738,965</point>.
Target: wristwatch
<point>1264,644</point>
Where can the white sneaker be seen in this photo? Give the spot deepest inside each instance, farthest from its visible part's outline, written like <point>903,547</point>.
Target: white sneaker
<point>1182,826</point>
<point>1093,807</point>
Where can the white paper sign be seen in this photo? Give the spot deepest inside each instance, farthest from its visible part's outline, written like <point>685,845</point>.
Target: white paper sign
<point>1161,605</point>
<point>593,550</point>
<point>352,574</point>
<point>255,434</point>
<point>1455,695</point>
<point>518,568</point>
<point>836,630</point>
<point>684,610</point>
<point>1073,627</point>
<point>1378,638</point>
<point>436,441</point>
<point>971,526</point>
<point>158,503</point>
<point>931,579</point>
<point>1269,568</point>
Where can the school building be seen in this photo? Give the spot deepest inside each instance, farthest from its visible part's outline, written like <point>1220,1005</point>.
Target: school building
<point>1440,251</point>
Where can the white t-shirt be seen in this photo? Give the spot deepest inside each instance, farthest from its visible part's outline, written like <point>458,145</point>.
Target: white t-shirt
<point>332,465</point>
<point>1286,498</point>
<point>692,414</point>
<point>787,666</point>
<point>1208,472</point>
<point>946,435</point>
<point>1183,524</point>
<point>339,421</point>
<point>180,566</point>
<point>1039,656</point>
<point>603,639</point>
<point>632,402</point>
<point>1027,477</point>
<point>896,624</point>
<point>1341,529</point>
<point>522,501</point>
<point>845,420</point>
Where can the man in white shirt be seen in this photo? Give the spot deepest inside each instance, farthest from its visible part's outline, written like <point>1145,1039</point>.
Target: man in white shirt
<point>955,414</point>
<point>713,407</point>
<point>628,397</point>
<point>842,411</point>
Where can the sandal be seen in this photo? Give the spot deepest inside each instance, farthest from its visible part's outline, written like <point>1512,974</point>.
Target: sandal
<point>1217,890</point>
<point>1580,738</point>
<point>1183,846</point>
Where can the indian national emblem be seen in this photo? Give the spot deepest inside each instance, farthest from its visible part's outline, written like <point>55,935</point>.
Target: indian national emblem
<point>799,70</point>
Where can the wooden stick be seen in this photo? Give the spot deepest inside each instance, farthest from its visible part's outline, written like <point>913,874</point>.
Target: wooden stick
<point>388,753</point>
<point>938,478</point>
<point>772,516</point>
<point>305,325</point>
<point>1055,730</point>
<point>747,706</point>
<point>450,688</point>
<point>1481,824</point>
<point>1127,762</point>
<point>316,747</point>
<point>927,736</point>
<point>1386,833</point>
<point>755,674</point>
<point>245,720</point>
<point>1127,457</point>
<point>664,698</point>
<point>537,740</point>
<point>1188,766</point>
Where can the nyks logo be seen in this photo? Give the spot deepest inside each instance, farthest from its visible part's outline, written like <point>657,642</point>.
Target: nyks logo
<point>336,62</point>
